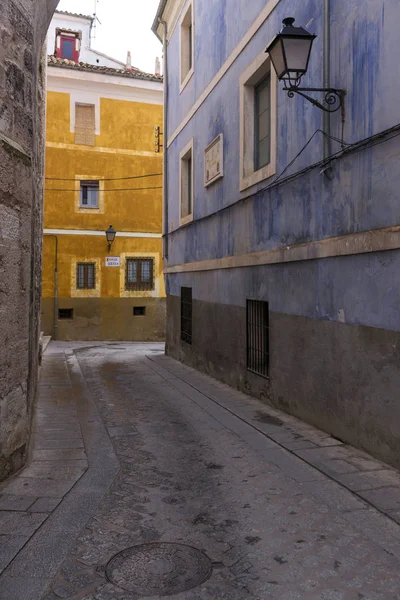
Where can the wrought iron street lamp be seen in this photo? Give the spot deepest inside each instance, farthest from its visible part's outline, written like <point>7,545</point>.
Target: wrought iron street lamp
<point>290,53</point>
<point>110,235</point>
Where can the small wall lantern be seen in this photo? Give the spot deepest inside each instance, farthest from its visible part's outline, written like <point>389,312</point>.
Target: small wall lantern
<point>110,235</point>
<point>290,53</point>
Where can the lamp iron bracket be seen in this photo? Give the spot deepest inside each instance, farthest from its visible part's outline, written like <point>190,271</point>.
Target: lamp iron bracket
<point>332,102</point>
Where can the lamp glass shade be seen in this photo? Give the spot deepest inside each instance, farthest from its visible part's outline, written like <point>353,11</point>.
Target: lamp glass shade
<point>297,53</point>
<point>110,234</point>
<point>277,57</point>
<point>290,51</point>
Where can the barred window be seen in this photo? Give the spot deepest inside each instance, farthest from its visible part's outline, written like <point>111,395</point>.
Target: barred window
<point>258,337</point>
<point>85,276</point>
<point>186,314</point>
<point>139,274</point>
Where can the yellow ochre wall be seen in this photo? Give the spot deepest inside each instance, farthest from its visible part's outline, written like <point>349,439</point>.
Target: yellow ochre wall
<point>124,148</point>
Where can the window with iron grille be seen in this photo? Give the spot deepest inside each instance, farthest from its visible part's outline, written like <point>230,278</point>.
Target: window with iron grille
<point>89,194</point>
<point>186,315</point>
<point>85,276</point>
<point>257,346</point>
<point>139,274</point>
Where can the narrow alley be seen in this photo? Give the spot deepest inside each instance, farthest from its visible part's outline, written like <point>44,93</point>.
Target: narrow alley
<point>149,479</point>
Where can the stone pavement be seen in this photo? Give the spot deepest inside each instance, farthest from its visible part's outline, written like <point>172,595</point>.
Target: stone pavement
<point>188,483</point>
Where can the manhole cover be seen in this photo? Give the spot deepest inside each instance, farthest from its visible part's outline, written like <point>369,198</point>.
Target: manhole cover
<point>159,569</point>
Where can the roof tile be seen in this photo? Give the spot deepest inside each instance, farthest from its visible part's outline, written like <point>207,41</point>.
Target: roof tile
<point>70,14</point>
<point>133,73</point>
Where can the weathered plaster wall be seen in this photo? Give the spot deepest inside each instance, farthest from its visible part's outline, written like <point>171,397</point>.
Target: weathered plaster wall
<point>341,378</point>
<point>109,316</point>
<point>124,148</point>
<point>23,26</point>
<point>363,196</point>
<point>335,322</point>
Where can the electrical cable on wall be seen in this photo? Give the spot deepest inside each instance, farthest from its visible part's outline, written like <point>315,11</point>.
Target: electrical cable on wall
<point>105,179</point>
<point>105,190</point>
<point>369,142</point>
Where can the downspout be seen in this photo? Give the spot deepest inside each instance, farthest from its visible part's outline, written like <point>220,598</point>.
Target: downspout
<point>55,314</point>
<point>327,74</point>
<point>165,142</point>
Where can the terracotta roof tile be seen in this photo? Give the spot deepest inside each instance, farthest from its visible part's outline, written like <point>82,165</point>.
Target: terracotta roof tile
<point>70,14</point>
<point>133,73</point>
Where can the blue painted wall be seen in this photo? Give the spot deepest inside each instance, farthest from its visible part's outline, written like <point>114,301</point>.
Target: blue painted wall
<point>364,191</point>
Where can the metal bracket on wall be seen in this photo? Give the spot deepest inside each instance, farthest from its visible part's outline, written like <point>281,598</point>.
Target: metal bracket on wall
<point>333,99</point>
<point>157,134</point>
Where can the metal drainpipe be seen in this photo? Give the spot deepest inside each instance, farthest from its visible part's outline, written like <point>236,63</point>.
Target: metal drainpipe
<point>327,73</point>
<point>165,141</point>
<point>55,316</point>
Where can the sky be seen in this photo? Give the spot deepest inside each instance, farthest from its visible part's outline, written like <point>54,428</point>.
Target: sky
<point>125,25</point>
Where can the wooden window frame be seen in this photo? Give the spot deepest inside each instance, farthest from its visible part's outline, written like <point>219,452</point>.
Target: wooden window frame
<point>85,280</point>
<point>139,285</point>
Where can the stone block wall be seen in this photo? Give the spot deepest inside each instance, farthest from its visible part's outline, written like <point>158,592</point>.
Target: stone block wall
<point>23,28</point>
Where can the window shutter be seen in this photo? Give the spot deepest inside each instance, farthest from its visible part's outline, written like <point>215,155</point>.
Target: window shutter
<point>93,194</point>
<point>85,126</point>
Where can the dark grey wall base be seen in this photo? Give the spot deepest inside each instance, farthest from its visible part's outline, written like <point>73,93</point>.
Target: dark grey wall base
<point>344,379</point>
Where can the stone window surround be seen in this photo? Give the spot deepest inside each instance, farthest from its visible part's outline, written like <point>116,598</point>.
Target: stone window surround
<point>155,293</point>
<point>82,209</point>
<point>248,80</point>
<point>185,72</point>
<point>182,156</point>
<point>90,292</point>
<point>89,184</point>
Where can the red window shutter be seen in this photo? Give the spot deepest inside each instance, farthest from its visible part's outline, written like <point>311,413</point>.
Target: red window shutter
<point>68,49</point>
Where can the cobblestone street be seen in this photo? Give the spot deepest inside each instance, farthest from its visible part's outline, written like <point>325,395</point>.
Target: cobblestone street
<point>227,498</point>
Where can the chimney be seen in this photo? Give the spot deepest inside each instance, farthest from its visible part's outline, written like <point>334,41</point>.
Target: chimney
<point>158,66</point>
<point>129,62</point>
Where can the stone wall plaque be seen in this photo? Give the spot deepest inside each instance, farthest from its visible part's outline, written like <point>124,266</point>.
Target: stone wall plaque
<point>214,161</point>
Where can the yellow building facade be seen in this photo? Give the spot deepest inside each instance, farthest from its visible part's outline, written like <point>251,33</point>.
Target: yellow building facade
<point>102,169</point>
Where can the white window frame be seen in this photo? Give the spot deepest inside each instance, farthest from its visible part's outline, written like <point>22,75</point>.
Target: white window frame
<point>248,81</point>
<point>189,148</point>
<point>184,70</point>
<point>90,206</point>
<point>85,209</point>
